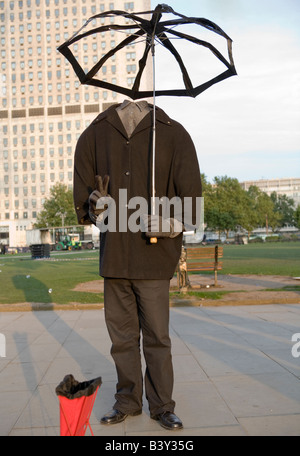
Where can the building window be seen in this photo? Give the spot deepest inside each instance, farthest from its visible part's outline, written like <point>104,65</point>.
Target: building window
<point>129,6</point>
<point>131,68</point>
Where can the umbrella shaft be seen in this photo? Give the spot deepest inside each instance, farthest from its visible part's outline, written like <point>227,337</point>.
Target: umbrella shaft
<point>153,167</point>
<point>153,134</point>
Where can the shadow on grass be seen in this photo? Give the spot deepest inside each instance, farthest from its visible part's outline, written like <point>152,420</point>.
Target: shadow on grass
<point>34,290</point>
<point>37,292</point>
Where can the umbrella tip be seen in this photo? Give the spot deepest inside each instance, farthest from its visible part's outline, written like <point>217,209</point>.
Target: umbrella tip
<point>164,8</point>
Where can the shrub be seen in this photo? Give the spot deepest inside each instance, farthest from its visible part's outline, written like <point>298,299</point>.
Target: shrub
<point>256,240</point>
<point>273,238</point>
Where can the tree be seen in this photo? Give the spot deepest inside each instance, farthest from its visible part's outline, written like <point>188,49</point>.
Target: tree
<point>263,209</point>
<point>284,206</point>
<point>297,216</point>
<point>226,205</point>
<point>58,209</point>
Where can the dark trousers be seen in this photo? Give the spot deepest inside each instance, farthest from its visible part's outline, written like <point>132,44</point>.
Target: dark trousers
<point>132,308</point>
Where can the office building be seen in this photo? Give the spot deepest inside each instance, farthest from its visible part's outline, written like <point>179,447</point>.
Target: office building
<point>43,106</point>
<point>288,186</point>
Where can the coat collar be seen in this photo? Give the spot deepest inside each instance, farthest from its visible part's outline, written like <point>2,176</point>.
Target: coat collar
<point>111,116</point>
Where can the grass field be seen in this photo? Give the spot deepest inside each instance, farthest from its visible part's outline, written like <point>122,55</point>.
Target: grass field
<point>27,280</point>
<point>274,258</point>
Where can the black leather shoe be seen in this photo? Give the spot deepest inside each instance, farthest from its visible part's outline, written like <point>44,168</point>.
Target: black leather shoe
<point>115,416</point>
<point>168,420</point>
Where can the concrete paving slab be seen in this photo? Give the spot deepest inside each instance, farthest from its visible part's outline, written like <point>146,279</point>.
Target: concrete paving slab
<point>12,406</point>
<point>218,431</point>
<point>283,358</point>
<point>274,426</point>
<point>234,371</point>
<point>260,394</point>
<point>40,411</point>
<point>235,361</point>
<point>187,369</point>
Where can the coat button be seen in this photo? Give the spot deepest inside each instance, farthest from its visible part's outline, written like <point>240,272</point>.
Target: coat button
<point>127,173</point>
<point>127,142</point>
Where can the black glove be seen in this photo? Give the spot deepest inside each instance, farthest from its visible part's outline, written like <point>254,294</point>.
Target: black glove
<point>99,197</point>
<point>158,227</point>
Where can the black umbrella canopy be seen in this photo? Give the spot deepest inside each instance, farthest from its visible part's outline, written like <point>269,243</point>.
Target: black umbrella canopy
<point>148,27</point>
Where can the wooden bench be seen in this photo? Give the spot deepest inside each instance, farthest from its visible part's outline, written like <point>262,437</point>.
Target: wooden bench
<point>198,259</point>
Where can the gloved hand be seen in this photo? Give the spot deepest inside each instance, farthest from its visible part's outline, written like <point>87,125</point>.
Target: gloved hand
<point>99,197</point>
<point>156,226</point>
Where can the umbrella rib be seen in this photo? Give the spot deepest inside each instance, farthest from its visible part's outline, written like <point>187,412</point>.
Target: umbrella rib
<point>142,64</point>
<point>75,64</point>
<point>114,88</point>
<point>201,88</point>
<point>123,43</point>
<point>103,28</point>
<point>207,45</point>
<point>199,21</point>
<point>168,45</point>
<point>118,13</point>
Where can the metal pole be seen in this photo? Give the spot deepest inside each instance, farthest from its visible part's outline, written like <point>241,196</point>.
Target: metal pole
<point>154,132</point>
<point>153,240</point>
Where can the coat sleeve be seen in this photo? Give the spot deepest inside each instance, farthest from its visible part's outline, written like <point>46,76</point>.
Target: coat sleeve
<point>84,176</point>
<point>187,180</point>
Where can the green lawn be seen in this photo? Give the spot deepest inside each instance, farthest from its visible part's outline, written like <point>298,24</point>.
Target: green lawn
<point>274,258</point>
<point>65,270</point>
<point>61,274</point>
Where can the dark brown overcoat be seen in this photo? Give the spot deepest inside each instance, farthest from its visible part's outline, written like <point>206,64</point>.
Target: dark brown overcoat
<point>104,148</point>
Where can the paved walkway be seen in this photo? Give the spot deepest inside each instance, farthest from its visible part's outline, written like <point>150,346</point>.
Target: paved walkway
<point>235,373</point>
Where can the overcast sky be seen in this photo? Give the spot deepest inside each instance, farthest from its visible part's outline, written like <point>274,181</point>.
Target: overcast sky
<point>247,126</point>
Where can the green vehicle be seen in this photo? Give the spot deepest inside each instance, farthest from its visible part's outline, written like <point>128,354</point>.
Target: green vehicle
<point>68,243</point>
